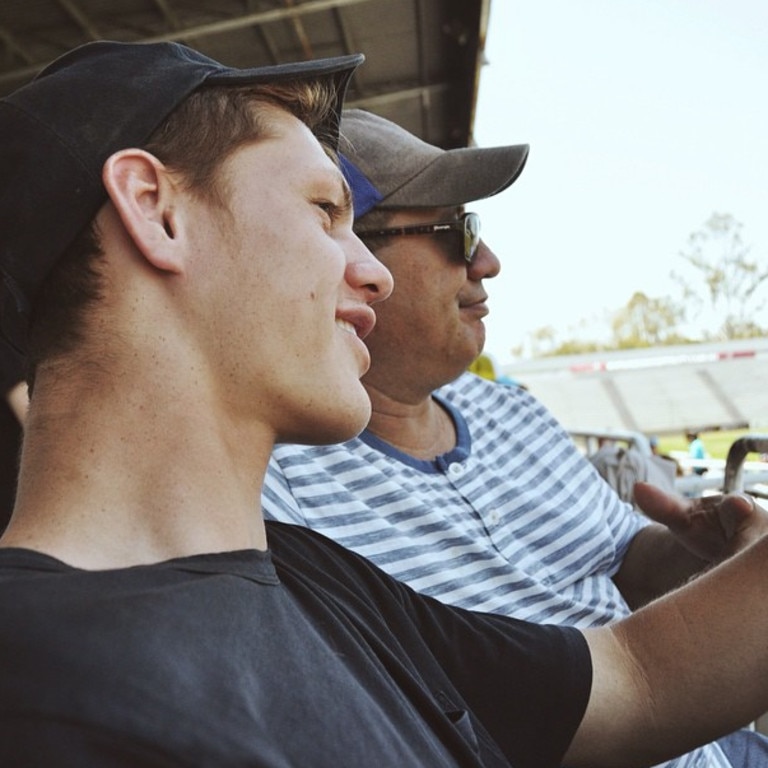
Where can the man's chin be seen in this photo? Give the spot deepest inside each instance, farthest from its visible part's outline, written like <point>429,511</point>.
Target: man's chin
<point>346,425</point>
<point>476,328</point>
<point>356,420</point>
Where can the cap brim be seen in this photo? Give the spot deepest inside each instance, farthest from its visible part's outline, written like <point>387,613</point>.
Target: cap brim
<point>459,176</point>
<point>337,65</point>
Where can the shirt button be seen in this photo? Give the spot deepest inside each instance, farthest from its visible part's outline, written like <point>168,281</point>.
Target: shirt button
<point>456,469</point>
<point>494,517</point>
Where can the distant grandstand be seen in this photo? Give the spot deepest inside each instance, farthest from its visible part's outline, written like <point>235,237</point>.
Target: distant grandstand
<point>662,390</point>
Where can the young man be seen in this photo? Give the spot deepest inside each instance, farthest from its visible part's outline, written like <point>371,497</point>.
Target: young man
<point>469,491</point>
<point>184,244</point>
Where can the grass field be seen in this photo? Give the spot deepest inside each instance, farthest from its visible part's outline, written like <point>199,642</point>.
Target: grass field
<point>716,443</point>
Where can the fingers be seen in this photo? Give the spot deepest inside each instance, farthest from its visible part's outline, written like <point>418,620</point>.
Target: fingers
<point>660,506</point>
<point>738,506</point>
<point>742,512</point>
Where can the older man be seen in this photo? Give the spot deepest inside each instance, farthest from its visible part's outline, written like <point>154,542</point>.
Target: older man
<point>466,490</point>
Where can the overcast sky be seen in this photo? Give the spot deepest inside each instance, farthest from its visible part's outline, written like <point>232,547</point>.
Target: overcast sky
<point>644,117</point>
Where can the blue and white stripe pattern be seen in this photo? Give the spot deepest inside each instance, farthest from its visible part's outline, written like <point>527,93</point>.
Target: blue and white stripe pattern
<point>513,520</point>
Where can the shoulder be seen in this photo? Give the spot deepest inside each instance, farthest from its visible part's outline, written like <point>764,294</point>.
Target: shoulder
<point>497,411</point>
<point>294,459</point>
<point>473,393</point>
<point>470,384</point>
<point>301,549</point>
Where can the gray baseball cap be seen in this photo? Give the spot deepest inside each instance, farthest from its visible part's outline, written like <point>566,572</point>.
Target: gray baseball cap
<point>388,167</point>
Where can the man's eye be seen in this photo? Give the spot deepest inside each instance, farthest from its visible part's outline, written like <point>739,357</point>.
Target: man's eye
<point>329,208</point>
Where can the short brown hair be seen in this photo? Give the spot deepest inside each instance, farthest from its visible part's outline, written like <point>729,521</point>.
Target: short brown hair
<point>213,123</point>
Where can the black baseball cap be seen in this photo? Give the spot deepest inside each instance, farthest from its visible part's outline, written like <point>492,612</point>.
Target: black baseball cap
<point>388,167</point>
<point>57,132</point>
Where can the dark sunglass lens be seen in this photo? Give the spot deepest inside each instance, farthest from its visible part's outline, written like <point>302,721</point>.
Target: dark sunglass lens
<point>471,235</point>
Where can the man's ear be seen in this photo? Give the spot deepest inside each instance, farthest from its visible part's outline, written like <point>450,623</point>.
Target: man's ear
<point>143,194</point>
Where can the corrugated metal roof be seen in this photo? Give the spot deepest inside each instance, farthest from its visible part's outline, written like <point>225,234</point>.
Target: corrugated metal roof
<point>422,56</point>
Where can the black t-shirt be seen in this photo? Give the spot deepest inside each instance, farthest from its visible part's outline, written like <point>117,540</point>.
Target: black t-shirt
<point>11,373</point>
<point>306,656</point>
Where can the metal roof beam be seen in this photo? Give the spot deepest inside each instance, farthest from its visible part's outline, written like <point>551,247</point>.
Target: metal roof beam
<point>423,78</point>
<point>301,33</point>
<point>268,40</point>
<point>14,48</point>
<point>423,92</point>
<point>213,28</point>
<point>167,13</point>
<point>349,45</point>
<point>80,19</point>
<point>251,19</point>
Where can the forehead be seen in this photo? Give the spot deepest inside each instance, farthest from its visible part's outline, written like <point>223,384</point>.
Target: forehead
<point>288,147</point>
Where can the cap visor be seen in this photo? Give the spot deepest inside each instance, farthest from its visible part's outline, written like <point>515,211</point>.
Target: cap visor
<point>460,176</point>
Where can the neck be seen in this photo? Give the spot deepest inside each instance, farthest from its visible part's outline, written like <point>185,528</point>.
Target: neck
<point>124,473</point>
<point>423,429</point>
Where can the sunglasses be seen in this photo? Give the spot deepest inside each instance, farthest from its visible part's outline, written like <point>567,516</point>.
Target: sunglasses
<point>467,224</point>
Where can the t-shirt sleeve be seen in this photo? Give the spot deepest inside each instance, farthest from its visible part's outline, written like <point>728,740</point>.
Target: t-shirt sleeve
<point>524,685</point>
<point>528,684</point>
<point>27,742</point>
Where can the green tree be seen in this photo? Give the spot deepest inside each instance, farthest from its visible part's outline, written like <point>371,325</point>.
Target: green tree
<point>542,341</point>
<point>647,322</point>
<point>718,257</point>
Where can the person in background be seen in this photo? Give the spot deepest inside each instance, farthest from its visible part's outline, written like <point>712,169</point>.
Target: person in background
<point>469,491</point>
<point>672,467</point>
<point>621,466</point>
<point>696,451</point>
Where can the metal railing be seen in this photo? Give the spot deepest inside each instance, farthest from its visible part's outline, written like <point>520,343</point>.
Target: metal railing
<point>735,474</point>
<point>733,479</point>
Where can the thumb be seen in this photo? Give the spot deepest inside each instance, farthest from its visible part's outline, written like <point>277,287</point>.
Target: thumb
<point>738,512</point>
